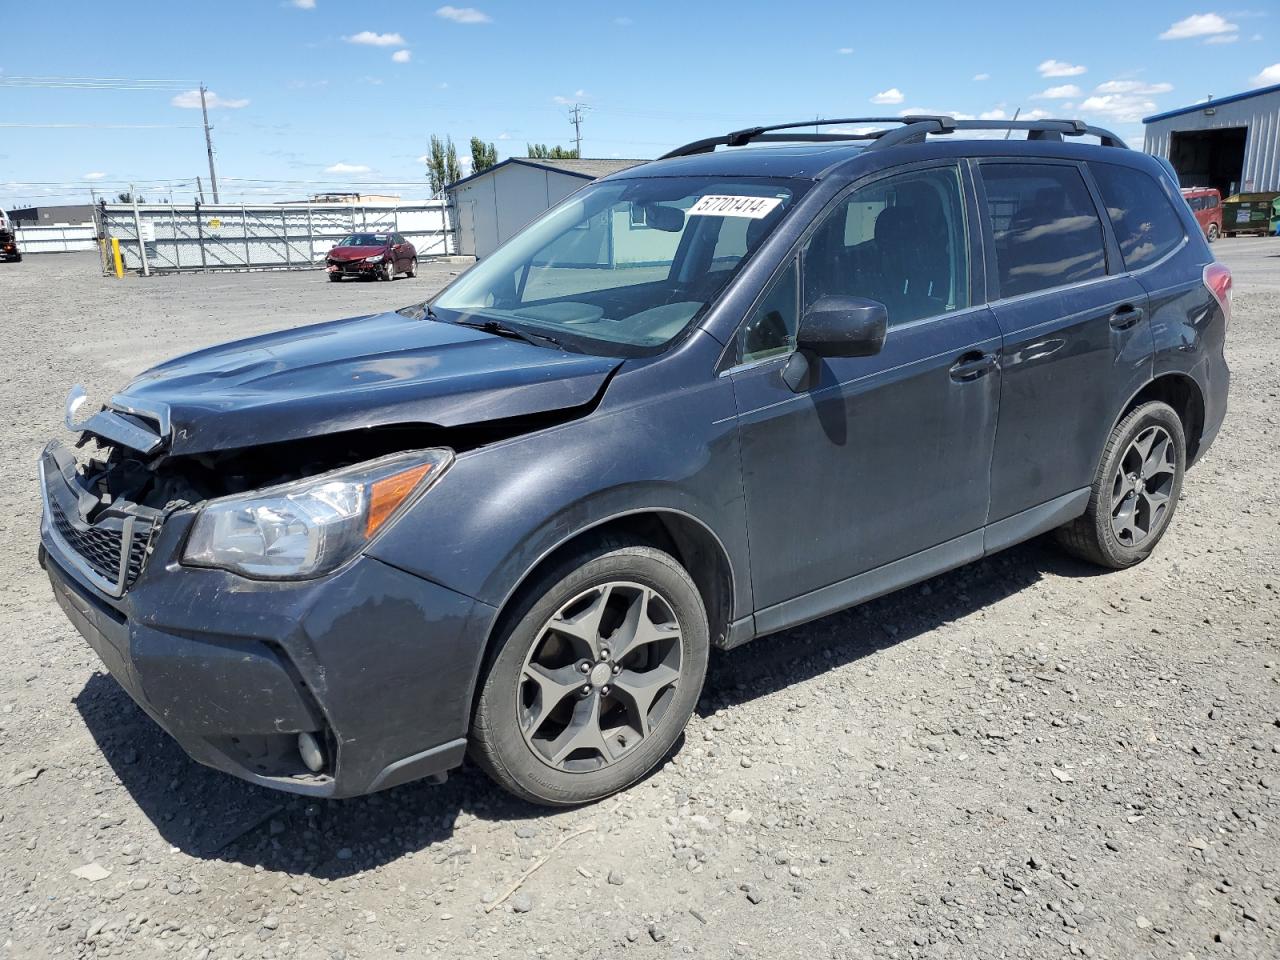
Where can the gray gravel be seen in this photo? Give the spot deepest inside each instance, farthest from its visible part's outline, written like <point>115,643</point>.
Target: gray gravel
<point>1022,758</point>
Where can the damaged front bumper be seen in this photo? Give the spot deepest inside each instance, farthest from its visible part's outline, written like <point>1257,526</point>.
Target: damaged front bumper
<point>376,666</point>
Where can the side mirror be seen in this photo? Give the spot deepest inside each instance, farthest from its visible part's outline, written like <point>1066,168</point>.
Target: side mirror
<point>844,327</point>
<point>835,327</point>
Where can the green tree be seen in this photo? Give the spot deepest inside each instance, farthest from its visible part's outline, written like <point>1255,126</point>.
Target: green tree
<point>442,163</point>
<point>483,155</point>
<point>540,151</point>
<point>127,197</point>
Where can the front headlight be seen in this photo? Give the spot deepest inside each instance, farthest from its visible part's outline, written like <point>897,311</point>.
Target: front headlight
<point>310,527</point>
<point>376,258</point>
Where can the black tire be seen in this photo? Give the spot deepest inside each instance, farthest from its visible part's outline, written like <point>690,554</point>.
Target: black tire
<point>1093,536</point>
<point>498,744</point>
<point>389,271</point>
<point>413,269</point>
<point>335,277</point>
<point>1212,232</point>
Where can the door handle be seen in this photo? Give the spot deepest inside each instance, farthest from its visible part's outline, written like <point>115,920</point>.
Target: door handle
<point>972,365</point>
<point>1126,317</point>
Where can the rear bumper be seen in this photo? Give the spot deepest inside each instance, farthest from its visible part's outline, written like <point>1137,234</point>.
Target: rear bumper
<point>377,664</point>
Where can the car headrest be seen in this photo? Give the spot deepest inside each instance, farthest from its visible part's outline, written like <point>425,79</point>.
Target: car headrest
<point>895,225</point>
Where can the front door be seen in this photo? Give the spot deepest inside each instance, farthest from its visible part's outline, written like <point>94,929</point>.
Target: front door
<point>880,457</point>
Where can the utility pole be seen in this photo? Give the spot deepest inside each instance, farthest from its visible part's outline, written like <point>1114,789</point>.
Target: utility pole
<point>575,117</point>
<point>208,142</point>
<point>200,187</point>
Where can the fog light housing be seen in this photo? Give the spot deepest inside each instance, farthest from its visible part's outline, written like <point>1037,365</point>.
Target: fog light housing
<point>311,752</point>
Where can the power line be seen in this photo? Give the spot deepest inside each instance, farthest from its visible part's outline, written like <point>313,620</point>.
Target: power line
<point>102,126</point>
<point>93,83</point>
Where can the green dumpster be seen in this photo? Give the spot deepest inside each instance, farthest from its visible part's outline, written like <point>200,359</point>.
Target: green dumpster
<point>1249,213</point>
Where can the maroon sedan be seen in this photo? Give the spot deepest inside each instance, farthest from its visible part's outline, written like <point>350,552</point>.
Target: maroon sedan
<point>376,255</point>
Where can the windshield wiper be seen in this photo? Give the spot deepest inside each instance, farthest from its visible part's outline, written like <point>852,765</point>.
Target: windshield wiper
<point>500,329</point>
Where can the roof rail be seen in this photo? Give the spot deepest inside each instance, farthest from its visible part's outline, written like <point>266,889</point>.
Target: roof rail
<point>913,129</point>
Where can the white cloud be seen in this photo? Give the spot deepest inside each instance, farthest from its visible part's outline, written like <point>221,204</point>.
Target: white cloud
<point>401,56</point>
<point>1268,76</point>
<point>1134,87</point>
<point>982,76</point>
<point>504,135</point>
<point>368,38</point>
<point>996,114</point>
<point>1124,107</point>
<point>892,95</point>
<point>190,100</point>
<point>845,51</point>
<point>578,96</point>
<point>464,15</point>
<point>1060,68</point>
<point>623,21</point>
<point>304,4</point>
<point>347,168</point>
<point>1199,25</point>
<point>464,163</point>
<point>1064,92</point>
<point>1036,114</point>
<point>1223,38</point>
<point>94,176</point>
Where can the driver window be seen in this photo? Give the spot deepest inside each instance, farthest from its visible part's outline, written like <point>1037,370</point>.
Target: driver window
<point>900,241</point>
<point>771,330</point>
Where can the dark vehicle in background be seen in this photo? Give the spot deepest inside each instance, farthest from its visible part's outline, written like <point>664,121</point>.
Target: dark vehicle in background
<point>1206,204</point>
<point>8,241</point>
<point>696,403</point>
<point>378,256</point>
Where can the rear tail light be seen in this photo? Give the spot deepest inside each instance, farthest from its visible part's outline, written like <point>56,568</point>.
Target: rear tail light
<point>1218,280</point>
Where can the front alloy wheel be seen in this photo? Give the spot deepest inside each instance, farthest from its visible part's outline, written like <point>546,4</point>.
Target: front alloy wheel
<point>600,676</point>
<point>595,676</point>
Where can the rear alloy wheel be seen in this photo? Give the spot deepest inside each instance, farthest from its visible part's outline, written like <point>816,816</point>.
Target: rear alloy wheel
<point>413,268</point>
<point>1213,232</point>
<point>1135,492</point>
<point>389,270</point>
<point>596,680</point>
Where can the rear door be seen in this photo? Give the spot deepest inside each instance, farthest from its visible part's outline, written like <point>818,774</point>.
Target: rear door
<point>1076,339</point>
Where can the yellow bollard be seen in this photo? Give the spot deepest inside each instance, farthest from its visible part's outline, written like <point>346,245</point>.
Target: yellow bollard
<point>115,255</point>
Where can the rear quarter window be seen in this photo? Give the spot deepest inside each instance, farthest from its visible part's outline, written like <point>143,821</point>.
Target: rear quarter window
<point>1146,224</point>
<point>1046,227</point>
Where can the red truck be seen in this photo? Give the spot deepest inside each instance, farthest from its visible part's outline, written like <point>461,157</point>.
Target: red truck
<point>1206,204</point>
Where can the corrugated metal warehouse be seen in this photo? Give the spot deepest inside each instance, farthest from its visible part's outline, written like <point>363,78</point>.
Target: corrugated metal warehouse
<point>492,205</point>
<point>1231,143</point>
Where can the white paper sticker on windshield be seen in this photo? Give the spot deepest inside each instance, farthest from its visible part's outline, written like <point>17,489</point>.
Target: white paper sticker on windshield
<point>755,208</point>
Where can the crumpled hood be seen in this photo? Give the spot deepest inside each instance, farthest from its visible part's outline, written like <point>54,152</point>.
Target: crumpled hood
<point>343,254</point>
<point>362,372</point>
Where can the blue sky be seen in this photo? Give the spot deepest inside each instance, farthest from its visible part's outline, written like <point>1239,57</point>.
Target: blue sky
<point>327,94</point>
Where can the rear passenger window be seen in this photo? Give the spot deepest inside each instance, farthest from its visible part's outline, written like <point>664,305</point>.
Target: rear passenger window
<point>1047,231</point>
<point>1146,225</point>
<point>901,241</point>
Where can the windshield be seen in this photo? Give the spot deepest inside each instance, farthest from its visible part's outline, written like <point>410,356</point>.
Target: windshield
<point>623,266</point>
<point>366,240</point>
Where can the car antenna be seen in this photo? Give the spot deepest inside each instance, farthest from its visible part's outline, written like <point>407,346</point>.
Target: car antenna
<point>1015,117</point>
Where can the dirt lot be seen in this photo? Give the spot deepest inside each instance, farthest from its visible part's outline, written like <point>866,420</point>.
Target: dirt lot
<point>1022,758</point>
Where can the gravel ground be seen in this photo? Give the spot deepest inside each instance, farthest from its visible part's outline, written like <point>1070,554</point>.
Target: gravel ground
<point>1023,758</point>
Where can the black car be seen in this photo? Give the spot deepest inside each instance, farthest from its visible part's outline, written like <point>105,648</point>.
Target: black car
<point>772,375</point>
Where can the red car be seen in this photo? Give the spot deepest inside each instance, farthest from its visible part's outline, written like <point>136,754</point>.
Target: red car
<point>377,255</point>
<point>1206,204</point>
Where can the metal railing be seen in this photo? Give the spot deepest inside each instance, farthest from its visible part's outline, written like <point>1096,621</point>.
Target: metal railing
<point>164,238</point>
<point>55,238</point>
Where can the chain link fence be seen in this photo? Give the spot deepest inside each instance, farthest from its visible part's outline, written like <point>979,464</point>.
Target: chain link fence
<point>164,238</point>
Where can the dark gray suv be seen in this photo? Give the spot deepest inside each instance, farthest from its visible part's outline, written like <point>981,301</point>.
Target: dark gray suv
<point>771,375</point>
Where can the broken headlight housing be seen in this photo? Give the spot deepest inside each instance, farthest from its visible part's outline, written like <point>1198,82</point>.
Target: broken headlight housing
<point>310,527</point>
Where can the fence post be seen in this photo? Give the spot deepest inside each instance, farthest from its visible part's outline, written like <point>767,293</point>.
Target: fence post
<point>311,236</point>
<point>244,229</point>
<point>137,229</point>
<point>173,230</point>
<point>204,265</point>
<point>284,231</point>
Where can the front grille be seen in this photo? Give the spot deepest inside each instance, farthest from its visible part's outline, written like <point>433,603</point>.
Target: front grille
<point>100,546</point>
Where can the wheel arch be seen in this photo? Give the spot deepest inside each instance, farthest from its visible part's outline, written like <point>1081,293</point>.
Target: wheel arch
<point>1182,392</point>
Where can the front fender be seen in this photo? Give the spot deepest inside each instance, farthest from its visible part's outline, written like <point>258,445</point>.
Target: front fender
<point>502,508</point>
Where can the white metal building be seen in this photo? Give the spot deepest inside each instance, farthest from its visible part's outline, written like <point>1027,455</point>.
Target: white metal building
<point>494,204</point>
<point>1231,143</point>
